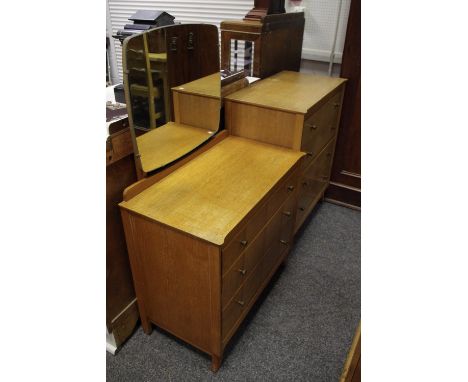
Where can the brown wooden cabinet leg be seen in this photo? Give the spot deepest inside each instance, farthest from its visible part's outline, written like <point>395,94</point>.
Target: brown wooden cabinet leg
<point>215,363</point>
<point>146,325</point>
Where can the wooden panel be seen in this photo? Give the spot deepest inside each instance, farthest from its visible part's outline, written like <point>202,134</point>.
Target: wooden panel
<point>175,273</point>
<point>346,174</point>
<point>119,284</point>
<point>212,200</point>
<point>288,91</point>
<point>197,111</point>
<point>264,125</point>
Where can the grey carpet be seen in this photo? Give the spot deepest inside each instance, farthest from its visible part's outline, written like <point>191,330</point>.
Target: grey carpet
<point>299,330</point>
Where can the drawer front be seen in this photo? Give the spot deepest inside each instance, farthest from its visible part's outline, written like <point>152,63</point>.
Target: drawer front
<point>242,268</point>
<point>247,235</point>
<point>232,280</point>
<point>313,181</point>
<point>232,313</point>
<point>278,235</point>
<point>320,127</point>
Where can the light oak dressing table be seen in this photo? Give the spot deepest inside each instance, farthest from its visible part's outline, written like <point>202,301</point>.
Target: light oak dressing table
<point>206,235</point>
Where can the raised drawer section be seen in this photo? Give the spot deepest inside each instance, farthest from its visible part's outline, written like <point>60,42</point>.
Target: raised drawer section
<point>245,237</point>
<point>313,181</point>
<point>320,127</point>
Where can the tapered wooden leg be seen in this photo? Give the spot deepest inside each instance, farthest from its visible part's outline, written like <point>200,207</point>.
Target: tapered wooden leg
<point>146,325</point>
<point>215,363</point>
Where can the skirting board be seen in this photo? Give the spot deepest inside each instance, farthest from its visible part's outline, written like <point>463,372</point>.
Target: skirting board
<point>343,195</point>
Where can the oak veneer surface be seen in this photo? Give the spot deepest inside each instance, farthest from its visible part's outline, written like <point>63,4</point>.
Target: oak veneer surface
<point>209,86</point>
<point>167,143</point>
<point>288,91</point>
<point>210,195</point>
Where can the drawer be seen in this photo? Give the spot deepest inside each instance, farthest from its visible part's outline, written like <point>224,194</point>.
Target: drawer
<point>232,313</point>
<point>278,234</point>
<point>242,268</point>
<point>243,239</point>
<point>232,280</point>
<point>282,192</point>
<point>320,127</point>
<point>253,282</point>
<point>321,166</point>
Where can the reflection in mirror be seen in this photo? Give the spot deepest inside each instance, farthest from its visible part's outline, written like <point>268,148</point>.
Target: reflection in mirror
<point>172,90</point>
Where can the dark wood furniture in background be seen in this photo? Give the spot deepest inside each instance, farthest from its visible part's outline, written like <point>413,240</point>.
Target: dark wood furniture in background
<point>265,7</point>
<point>277,41</point>
<point>345,185</point>
<point>121,307</point>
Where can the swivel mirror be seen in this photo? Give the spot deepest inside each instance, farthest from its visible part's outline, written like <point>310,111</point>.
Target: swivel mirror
<point>172,91</point>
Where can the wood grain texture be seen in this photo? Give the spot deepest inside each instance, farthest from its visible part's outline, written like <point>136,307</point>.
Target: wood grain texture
<point>176,272</point>
<point>288,91</point>
<point>143,184</point>
<point>210,195</point>
<point>262,124</point>
<point>197,111</point>
<point>167,143</point>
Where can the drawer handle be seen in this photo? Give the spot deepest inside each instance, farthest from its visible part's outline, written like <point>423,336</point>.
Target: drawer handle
<point>302,208</point>
<point>309,154</point>
<point>284,242</point>
<point>241,303</point>
<point>336,104</point>
<point>287,213</point>
<point>243,242</point>
<point>290,188</point>
<point>305,184</point>
<point>242,271</point>
<point>313,127</point>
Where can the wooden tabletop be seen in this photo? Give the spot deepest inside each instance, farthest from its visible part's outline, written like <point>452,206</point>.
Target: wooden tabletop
<point>211,194</point>
<point>169,142</point>
<point>288,91</point>
<point>209,86</point>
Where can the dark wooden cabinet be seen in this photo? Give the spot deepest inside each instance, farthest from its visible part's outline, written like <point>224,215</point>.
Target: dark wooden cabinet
<point>345,184</point>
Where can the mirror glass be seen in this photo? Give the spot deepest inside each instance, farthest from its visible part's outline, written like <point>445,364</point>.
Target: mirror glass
<point>172,90</point>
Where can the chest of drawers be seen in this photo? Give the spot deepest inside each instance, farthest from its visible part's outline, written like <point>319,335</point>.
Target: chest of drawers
<point>297,111</point>
<point>205,240</point>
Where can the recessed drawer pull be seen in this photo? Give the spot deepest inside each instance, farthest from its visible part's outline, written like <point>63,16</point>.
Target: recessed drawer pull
<point>241,303</point>
<point>244,242</point>
<point>284,242</point>
<point>302,208</point>
<point>242,271</point>
<point>290,188</point>
<point>287,213</point>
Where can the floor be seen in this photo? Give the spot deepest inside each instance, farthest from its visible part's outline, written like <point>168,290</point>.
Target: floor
<point>299,330</point>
